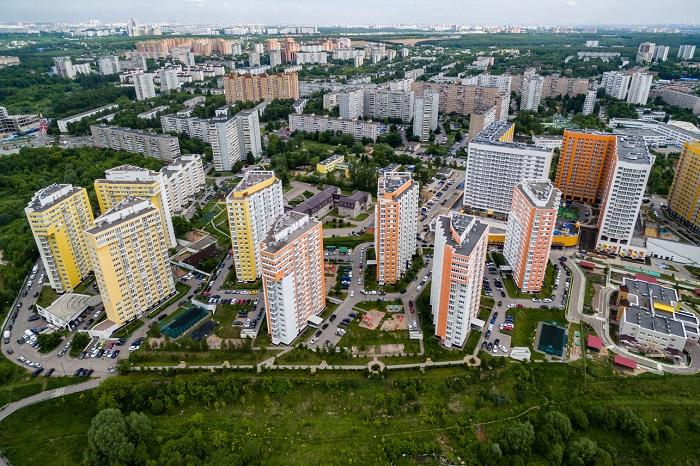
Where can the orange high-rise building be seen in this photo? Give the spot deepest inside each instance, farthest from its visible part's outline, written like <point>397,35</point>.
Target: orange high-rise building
<point>461,242</point>
<point>584,163</point>
<point>396,225</point>
<point>259,87</point>
<point>529,232</point>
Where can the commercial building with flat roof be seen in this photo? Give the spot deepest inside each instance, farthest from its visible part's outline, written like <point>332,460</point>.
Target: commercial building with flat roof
<point>252,206</point>
<point>294,286</point>
<point>396,225</point>
<point>496,164</point>
<point>67,308</point>
<point>128,250</point>
<point>57,215</point>
<point>531,224</point>
<point>461,243</point>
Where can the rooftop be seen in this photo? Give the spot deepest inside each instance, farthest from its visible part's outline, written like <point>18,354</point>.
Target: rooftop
<point>493,132</point>
<point>541,193</point>
<point>90,112</point>
<point>252,178</point>
<point>310,205</point>
<point>128,209</point>
<point>466,228</point>
<point>287,228</point>
<point>649,293</point>
<point>392,181</point>
<point>50,195</point>
<point>657,322</point>
<point>67,306</point>
<point>632,149</point>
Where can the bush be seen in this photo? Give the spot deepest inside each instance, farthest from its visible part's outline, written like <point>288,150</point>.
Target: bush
<point>49,341</point>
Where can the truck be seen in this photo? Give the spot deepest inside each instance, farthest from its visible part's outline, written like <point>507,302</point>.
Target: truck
<point>6,336</point>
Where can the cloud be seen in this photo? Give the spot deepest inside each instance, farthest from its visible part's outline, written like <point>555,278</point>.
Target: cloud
<point>570,2</point>
<point>194,1</point>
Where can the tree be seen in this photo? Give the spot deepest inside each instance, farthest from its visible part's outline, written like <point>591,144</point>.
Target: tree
<point>553,428</point>
<point>108,440</point>
<point>49,341</point>
<point>581,452</point>
<point>517,438</point>
<point>181,225</point>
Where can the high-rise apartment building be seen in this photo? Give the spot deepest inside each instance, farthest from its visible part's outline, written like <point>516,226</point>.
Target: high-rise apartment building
<point>184,178</point>
<point>425,117</point>
<point>350,103</point>
<point>248,87</point>
<point>640,85</point>
<point>589,102</point>
<point>616,84</point>
<point>496,164</point>
<point>622,199</point>
<point>252,207</point>
<point>385,103</point>
<point>684,198</point>
<point>275,58</point>
<point>686,52</point>
<point>531,224</point>
<point>57,215</point>
<point>143,84</point>
<point>128,181</point>
<point>249,133</point>
<point>661,53</point>
<point>465,99</point>
<point>502,82</point>
<point>159,146</point>
<point>292,274</point>
<point>480,119</point>
<point>531,92</point>
<point>461,243</point>
<point>129,252</point>
<point>169,80</point>
<point>63,66</point>
<point>359,129</point>
<point>253,59</point>
<point>109,65</point>
<point>396,225</point>
<point>645,52</point>
<point>584,163</point>
<point>223,133</point>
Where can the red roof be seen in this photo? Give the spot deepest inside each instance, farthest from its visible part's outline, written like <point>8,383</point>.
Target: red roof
<point>587,265</point>
<point>625,362</point>
<point>697,291</point>
<point>644,277</point>
<point>594,342</point>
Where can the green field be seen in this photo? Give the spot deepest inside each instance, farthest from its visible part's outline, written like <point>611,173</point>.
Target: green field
<point>404,418</point>
<point>526,320</point>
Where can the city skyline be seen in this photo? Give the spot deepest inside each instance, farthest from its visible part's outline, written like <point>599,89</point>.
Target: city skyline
<point>358,12</point>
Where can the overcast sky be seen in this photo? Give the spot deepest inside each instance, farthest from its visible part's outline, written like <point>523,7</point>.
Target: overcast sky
<point>358,11</point>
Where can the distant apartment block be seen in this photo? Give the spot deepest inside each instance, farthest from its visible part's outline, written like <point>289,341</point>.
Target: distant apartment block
<point>292,274</point>
<point>531,224</point>
<point>616,84</point>
<point>252,207</point>
<point>143,84</point>
<point>502,82</point>
<point>678,98</point>
<point>531,93</point>
<point>109,65</point>
<point>425,117</point>
<point>686,52</point>
<point>129,253</point>
<point>396,225</point>
<point>465,99</point>
<point>359,129</point>
<point>57,215</point>
<point>184,178</point>
<point>480,119</point>
<point>304,58</point>
<point>169,80</point>
<point>64,122</point>
<point>261,87</point>
<point>18,124</point>
<point>159,146</point>
<point>640,85</point>
<point>660,53</point>
<point>496,164</point>
<point>645,52</point>
<point>461,243</point>
<point>350,104</point>
<point>589,102</point>
<point>249,132</point>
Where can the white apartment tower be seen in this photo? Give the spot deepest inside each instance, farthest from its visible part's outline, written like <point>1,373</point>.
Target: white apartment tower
<point>616,84</point>
<point>109,65</point>
<point>396,225</point>
<point>623,196</point>
<point>661,53</point>
<point>686,52</point>
<point>143,83</point>
<point>351,103</point>
<point>531,92</point>
<point>645,52</point>
<point>640,85</point>
<point>425,116</point>
<point>249,133</point>
<point>64,67</point>
<point>589,102</point>
<point>496,164</point>
<point>384,103</point>
<point>461,243</point>
<point>292,274</point>
<point>183,178</point>
<point>169,81</point>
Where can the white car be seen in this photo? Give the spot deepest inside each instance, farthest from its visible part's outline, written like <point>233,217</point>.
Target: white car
<point>511,305</point>
<point>352,293</point>
<point>418,288</point>
<point>313,340</point>
<point>503,348</point>
<point>547,300</point>
<point>490,326</point>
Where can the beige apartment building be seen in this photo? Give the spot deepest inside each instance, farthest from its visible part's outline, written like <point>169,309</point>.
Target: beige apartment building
<point>248,87</point>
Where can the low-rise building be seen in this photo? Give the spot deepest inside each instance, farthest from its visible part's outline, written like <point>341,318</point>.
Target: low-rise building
<point>66,309</point>
<point>330,164</point>
<point>64,122</point>
<point>354,204</point>
<point>319,204</point>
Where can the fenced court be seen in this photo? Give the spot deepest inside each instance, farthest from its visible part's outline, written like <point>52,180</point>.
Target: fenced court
<point>551,339</point>
<point>183,321</point>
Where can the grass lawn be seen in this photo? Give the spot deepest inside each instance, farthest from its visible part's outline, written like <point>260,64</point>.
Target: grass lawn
<point>85,286</point>
<point>433,349</point>
<point>369,276</point>
<point>46,296</point>
<point>472,341</point>
<point>181,290</point>
<point>326,418</point>
<point>231,284</point>
<point>547,285</point>
<point>17,383</point>
<point>128,329</point>
<point>225,315</point>
<point>348,241</point>
<point>364,338</point>
<point>526,320</point>
<point>263,339</point>
<point>694,270</point>
<point>361,217</point>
